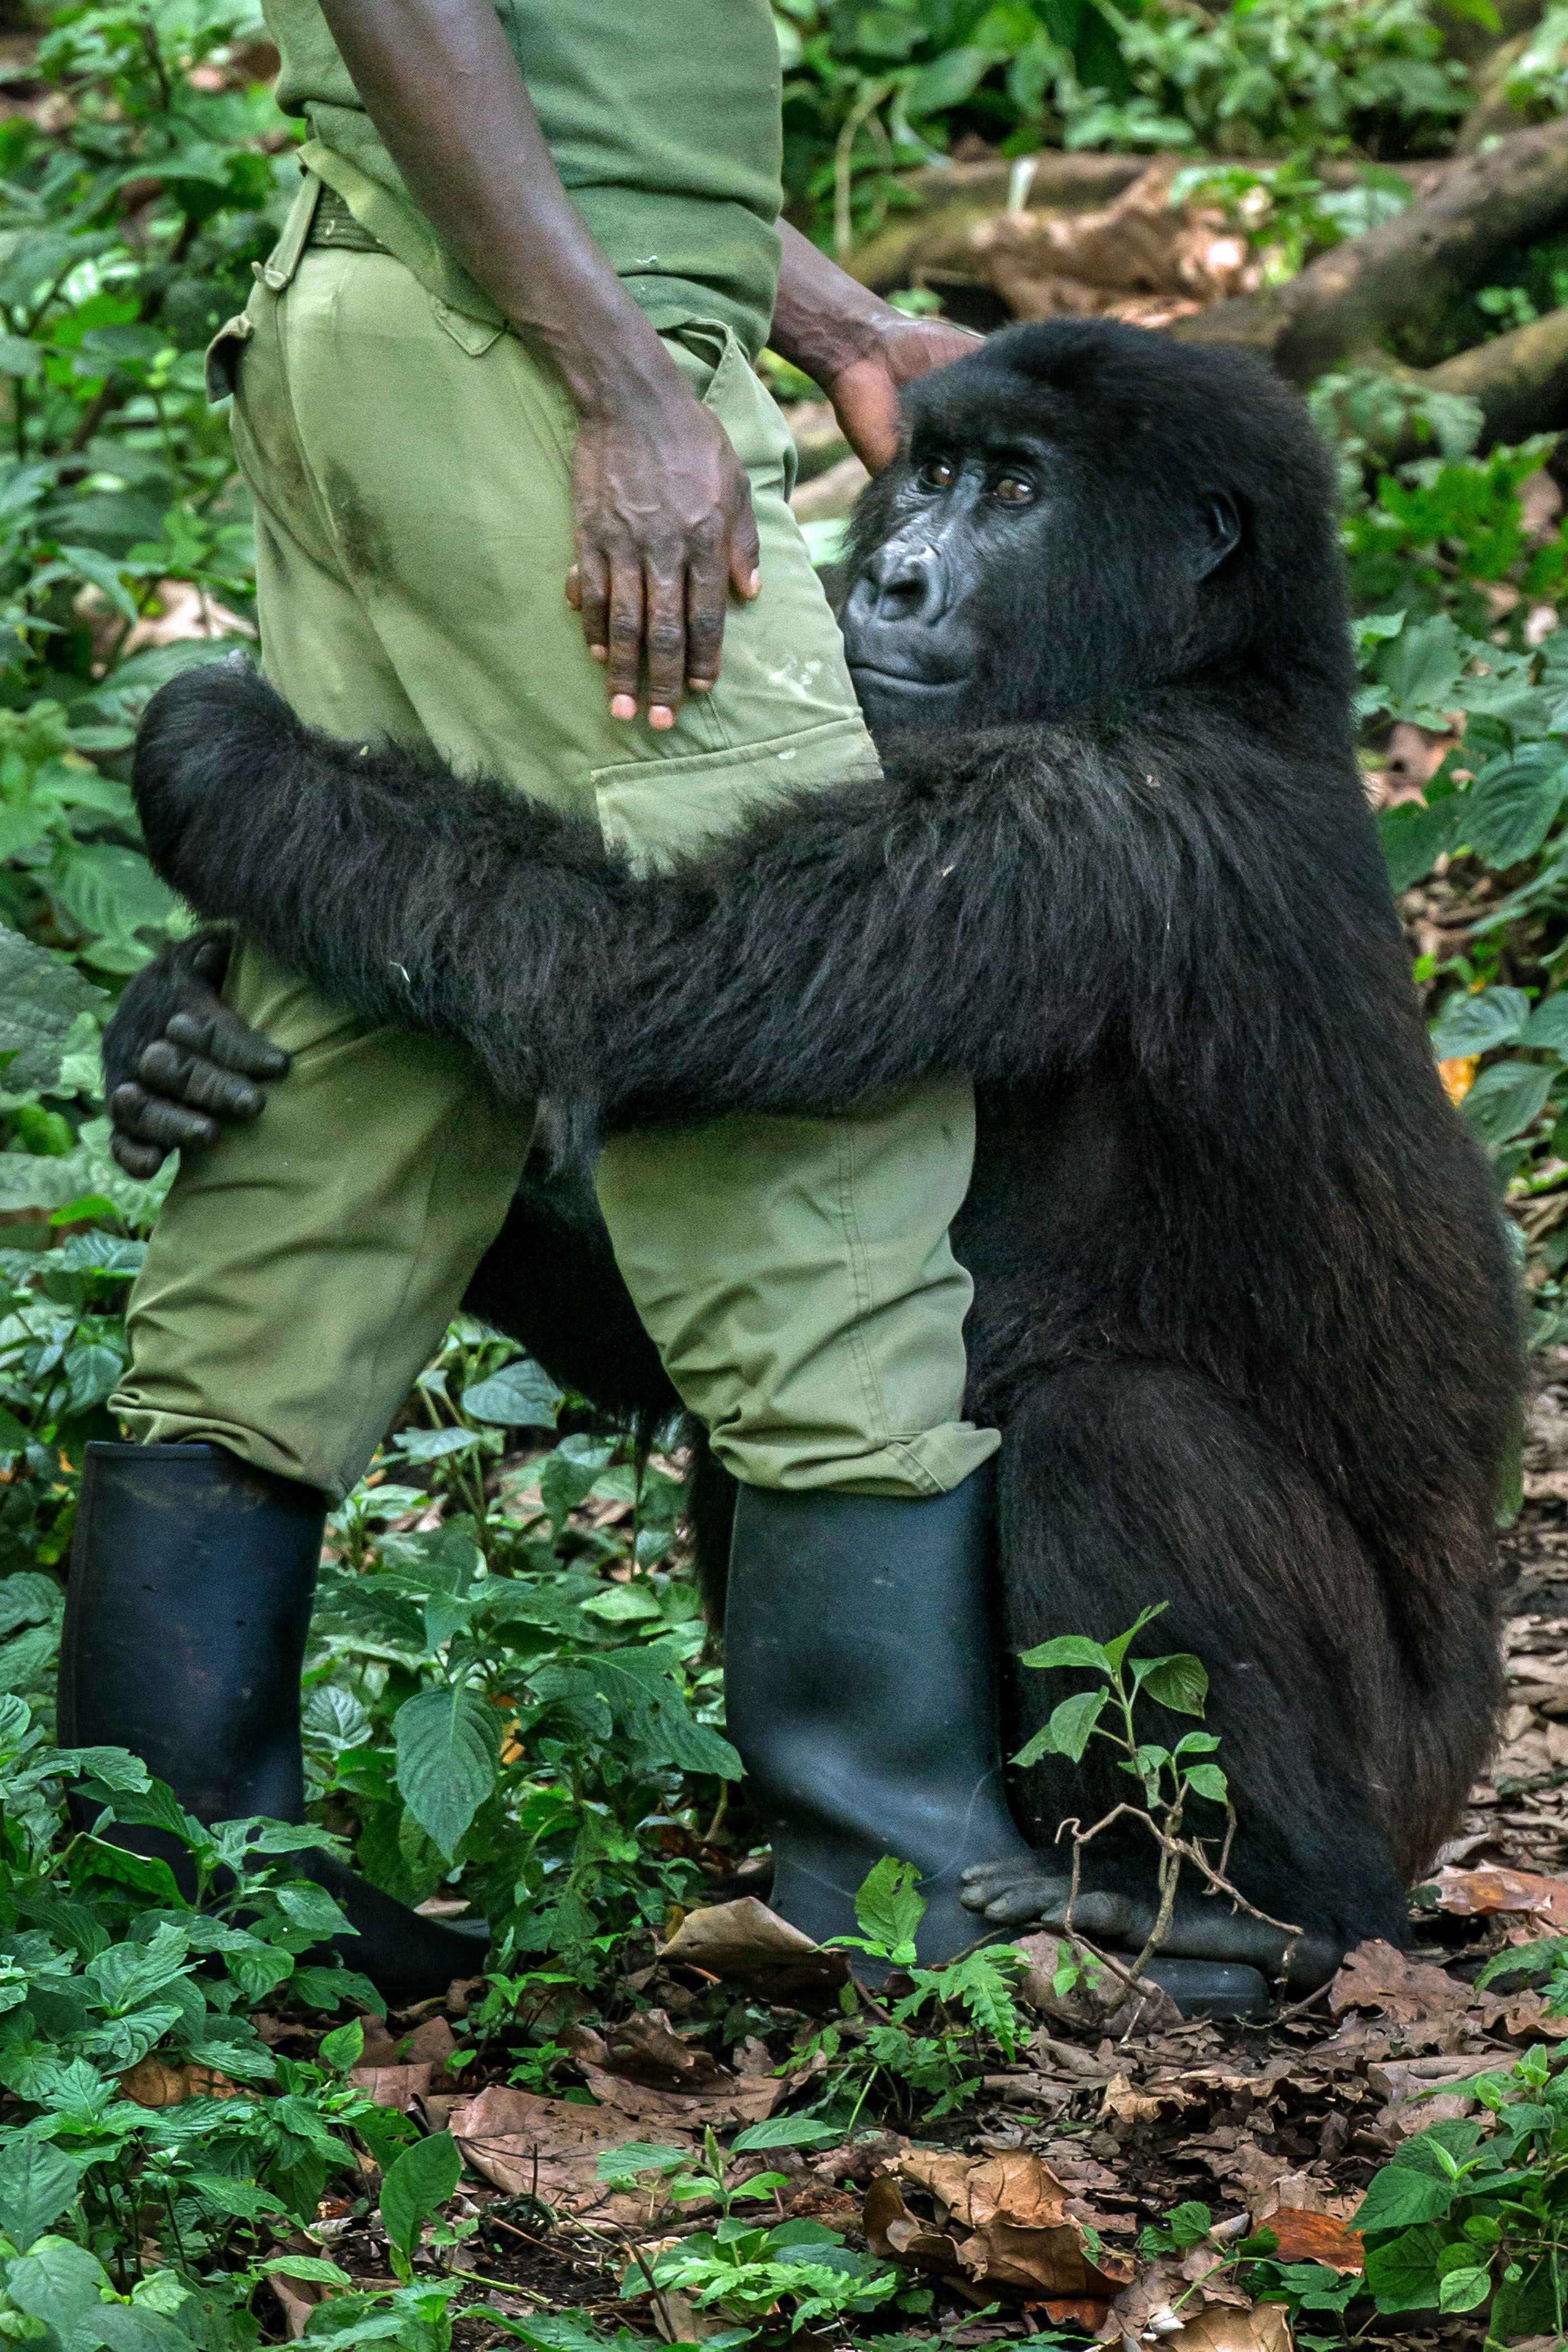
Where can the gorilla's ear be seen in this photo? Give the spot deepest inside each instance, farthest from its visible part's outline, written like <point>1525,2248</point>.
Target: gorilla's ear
<point>1220,532</point>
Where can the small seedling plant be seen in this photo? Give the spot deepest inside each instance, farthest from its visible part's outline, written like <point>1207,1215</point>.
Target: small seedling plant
<point>1167,1778</point>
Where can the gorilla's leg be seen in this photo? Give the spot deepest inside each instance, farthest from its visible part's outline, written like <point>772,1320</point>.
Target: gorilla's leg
<point>1125,1486</point>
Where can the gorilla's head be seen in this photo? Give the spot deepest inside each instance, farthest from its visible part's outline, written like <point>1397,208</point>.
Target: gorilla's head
<point>1084,512</point>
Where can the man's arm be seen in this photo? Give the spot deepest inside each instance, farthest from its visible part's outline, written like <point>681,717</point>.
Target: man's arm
<point>661,504</point>
<point>859,348</point>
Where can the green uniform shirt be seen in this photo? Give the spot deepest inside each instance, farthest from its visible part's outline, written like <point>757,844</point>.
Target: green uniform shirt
<point>664,121</point>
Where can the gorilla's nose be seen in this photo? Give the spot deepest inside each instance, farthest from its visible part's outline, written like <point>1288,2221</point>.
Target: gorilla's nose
<point>902,582</point>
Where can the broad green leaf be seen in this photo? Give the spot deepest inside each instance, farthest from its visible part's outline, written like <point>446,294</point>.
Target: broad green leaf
<point>1421,676</point>
<point>418,2185</point>
<point>787,2131</point>
<point>1474,1025</point>
<point>1414,838</point>
<point>111,891</point>
<point>519,1396</point>
<point>949,79</point>
<point>1180,1683</point>
<point>1403,2271</point>
<point>37,2184</point>
<point>1506,1099</point>
<point>639,1688</point>
<point>1462,2290</point>
<point>139,2330</point>
<point>1399,2197</point>
<point>1547,1027</point>
<point>1208,1780</point>
<point>890,1905</point>
<point>1067,1731</point>
<point>312,2267</point>
<point>641,2156</point>
<point>1513,805</point>
<point>1066,1650</point>
<point>58,2283</point>
<point>448,1748</point>
<point>40,996</point>
<point>312,1909</point>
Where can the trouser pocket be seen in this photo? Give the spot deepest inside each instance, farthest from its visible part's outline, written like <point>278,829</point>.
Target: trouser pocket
<point>224,357</point>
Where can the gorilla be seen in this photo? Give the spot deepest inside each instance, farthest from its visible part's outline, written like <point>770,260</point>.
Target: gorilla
<point>1244,1311</point>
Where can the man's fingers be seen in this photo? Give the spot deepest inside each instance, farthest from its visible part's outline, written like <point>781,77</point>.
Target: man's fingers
<point>189,1078</point>
<point>152,1119</point>
<point>665,593</point>
<point>590,578</point>
<point>745,550</point>
<point>624,637</point>
<point>220,1036</point>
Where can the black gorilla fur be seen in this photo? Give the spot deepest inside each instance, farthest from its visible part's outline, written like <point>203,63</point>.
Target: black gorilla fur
<point>1244,1311</point>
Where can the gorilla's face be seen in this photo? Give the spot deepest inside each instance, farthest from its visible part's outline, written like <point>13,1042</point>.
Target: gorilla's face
<point>1020,563</point>
<point>965,521</point>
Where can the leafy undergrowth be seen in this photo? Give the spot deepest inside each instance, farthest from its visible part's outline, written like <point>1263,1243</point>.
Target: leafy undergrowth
<point>650,2112</point>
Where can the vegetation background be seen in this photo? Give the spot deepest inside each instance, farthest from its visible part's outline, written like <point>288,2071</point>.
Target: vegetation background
<point>509,1703</point>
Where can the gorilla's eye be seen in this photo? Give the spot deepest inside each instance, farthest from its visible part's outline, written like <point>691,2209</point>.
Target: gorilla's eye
<point>1013,491</point>
<point>937,474</point>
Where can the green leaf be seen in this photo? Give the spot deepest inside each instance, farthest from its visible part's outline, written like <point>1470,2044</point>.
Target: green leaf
<point>1414,838</point>
<point>1506,1099</point>
<point>1207,1780</point>
<point>1513,805</point>
<point>418,2185</point>
<point>448,1748</point>
<point>787,2131</point>
<point>311,2267</point>
<point>1180,1683</point>
<point>40,996</point>
<point>1547,1027</point>
<point>1399,2197</point>
<point>1402,2272</point>
<point>139,2330</point>
<point>519,1396</point>
<point>949,79</point>
<point>890,1905</point>
<point>1474,1025</point>
<point>109,891</point>
<point>1066,1650</point>
<point>1068,1732</point>
<point>37,2184</point>
<point>1461,2290</point>
<point>104,575</point>
<point>58,2283</point>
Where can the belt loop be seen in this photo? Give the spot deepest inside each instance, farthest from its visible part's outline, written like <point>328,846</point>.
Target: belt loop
<point>277,270</point>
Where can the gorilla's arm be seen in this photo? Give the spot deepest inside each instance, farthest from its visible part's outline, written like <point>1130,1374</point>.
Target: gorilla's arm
<point>991,906</point>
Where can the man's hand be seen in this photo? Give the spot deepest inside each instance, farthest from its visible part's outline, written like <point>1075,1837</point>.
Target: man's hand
<point>864,392</point>
<point>176,1060</point>
<point>857,347</point>
<point>662,511</point>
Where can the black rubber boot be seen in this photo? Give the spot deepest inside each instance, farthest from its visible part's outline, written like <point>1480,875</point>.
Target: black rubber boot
<point>186,1614</point>
<point>860,1688</point>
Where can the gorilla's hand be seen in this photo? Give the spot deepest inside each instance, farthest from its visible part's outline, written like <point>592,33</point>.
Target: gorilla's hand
<point>174,1053</point>
<point>1203,1928</point>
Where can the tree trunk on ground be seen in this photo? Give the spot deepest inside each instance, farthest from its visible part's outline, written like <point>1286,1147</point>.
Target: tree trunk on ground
<point>1410,272</point>
<point>1520,381</point>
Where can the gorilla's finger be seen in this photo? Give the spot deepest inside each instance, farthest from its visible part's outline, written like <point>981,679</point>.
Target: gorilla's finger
<point>181,1078</point>
<point>220,1036</point>
<point>1026,1899</point>
<point>142,1161</point>
<point>154,1119</point>
<point>984,1879</point>
<point>210,962</point>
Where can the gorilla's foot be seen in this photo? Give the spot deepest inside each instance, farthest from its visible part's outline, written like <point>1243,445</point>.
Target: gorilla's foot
<point>1204,1930</point>
<point>186,1612</point>
<point>860,1674</point>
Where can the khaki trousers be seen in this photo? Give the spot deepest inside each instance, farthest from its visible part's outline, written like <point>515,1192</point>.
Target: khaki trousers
<point>411,472</point>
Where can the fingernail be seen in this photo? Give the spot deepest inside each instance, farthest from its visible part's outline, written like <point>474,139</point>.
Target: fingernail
<point>754,583</point>
<point>599,653</point>
<point>622,706</point>
<point>661,716</point>
<point>699,686</point>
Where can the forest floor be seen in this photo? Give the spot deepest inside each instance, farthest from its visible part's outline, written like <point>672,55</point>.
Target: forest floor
<point>1024,2206</point>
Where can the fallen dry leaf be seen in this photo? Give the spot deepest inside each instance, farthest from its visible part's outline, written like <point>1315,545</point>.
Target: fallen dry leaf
<point>1375,1976</point>
<point>744,1942</point>
<point>728,2099</point>
<point>644,2049</point>
<point>548,2149</point>
<point>1002,2222</point>
<point>1315,2238</point>
<point>1476,1893</point>
<point>1108,2007</point>
<point>1265,2327</point>
<point>152,2082</point>
<point>297,2299</point>
<point>394,2087</point>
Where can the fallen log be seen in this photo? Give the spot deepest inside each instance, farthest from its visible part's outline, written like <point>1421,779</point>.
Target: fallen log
<point>1409,271</point>
<point>1519,382</point>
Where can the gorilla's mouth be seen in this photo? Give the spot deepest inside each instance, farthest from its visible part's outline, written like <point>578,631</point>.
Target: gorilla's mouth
<point>904,681</point>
